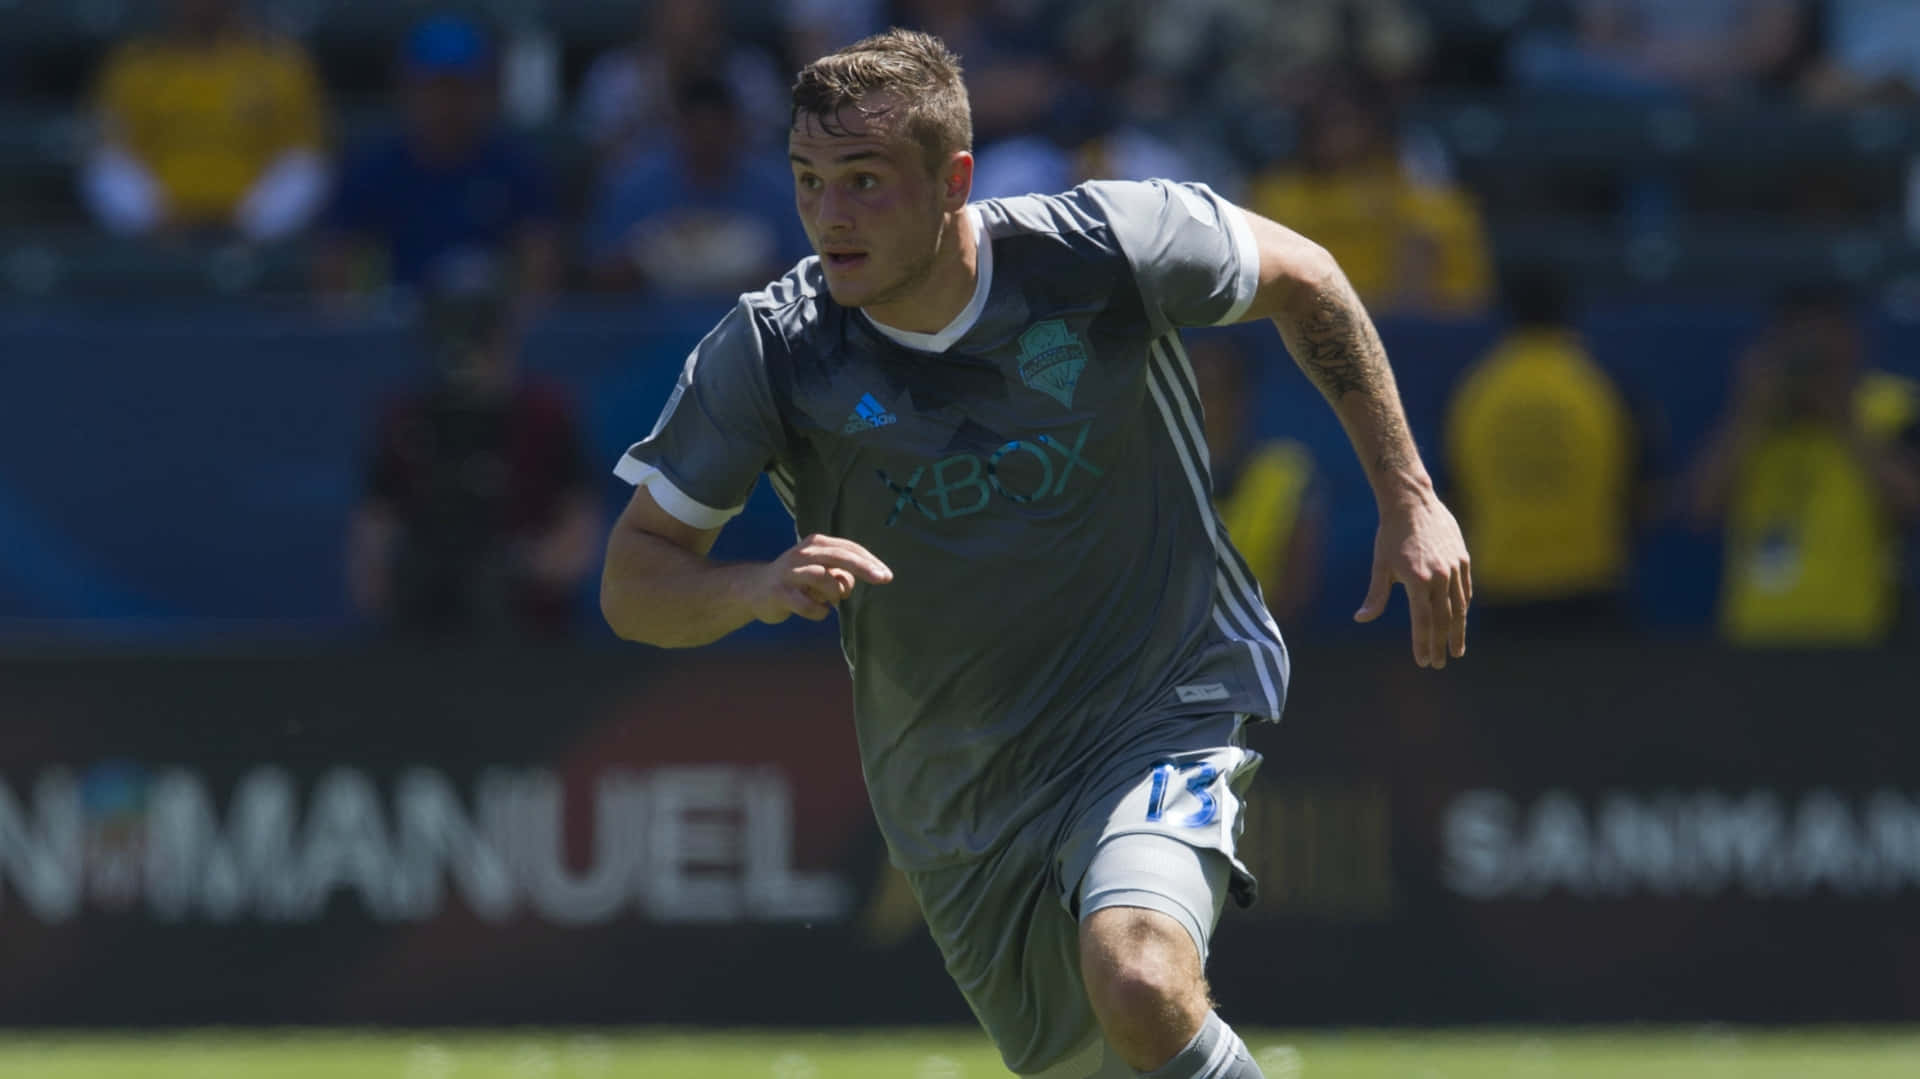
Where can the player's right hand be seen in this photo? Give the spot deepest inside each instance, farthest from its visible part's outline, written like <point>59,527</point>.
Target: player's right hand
<point>812,577</point>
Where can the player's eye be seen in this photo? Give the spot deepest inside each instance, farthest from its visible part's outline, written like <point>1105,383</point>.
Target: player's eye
<point>866,181</point>
<point>809,181</point>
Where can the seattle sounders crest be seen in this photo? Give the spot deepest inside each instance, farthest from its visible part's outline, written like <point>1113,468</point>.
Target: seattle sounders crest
<point>1051,359</point>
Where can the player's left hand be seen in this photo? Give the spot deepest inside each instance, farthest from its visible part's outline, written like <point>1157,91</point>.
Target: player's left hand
<point>1419,545</point>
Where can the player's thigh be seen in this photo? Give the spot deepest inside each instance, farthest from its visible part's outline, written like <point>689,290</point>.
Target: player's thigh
<point>1190,796</point>
<point>1013,951</point>
<point>1184,885</point>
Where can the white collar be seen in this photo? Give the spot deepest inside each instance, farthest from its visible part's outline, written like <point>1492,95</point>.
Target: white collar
<point>970,314</point>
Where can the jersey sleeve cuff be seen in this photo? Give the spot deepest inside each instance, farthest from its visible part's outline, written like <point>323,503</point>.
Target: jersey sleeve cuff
<point>1246,252</point>
<point>679,505</point>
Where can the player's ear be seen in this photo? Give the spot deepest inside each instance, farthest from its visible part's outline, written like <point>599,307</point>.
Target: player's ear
<point>956,179</point>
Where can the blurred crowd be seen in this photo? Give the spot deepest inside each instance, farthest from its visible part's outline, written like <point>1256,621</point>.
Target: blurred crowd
<point>668,179</point>
<point>1810,479</point>
<point>672,180</point>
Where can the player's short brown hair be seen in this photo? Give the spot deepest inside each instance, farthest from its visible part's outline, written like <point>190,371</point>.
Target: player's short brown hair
<point>915,67</point>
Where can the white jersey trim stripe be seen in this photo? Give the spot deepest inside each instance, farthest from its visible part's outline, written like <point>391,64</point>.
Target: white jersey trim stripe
<point>1243,604</point>
<point>1225,604</point>
<point>1179,376</point>
<point>679,505</point>
<point>1182,369</point>
<point>1262,652</point>
<point>1247,253</point>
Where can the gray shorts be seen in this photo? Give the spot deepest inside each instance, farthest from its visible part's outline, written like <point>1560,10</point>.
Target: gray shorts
<point>1008,924</point>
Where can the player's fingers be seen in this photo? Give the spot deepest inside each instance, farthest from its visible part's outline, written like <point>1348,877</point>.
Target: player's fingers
<point>1420,608</point>
<point>1466,577</point>
<point>845,554</point>
<point>1377,593</point>
<point>824,583</point>
<point>804,605</point>
<point>1441,604</point>
<point>821,590</point>
<point>846,564</point>
<point>1458,591</point>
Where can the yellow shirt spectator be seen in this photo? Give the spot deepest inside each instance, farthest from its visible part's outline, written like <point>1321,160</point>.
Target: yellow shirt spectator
<point>1812,549</point>
<point>1404,245</point>
<point>1541,446</point>
<point>208,121</point>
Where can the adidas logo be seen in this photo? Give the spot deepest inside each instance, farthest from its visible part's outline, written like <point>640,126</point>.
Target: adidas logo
<point>867,415</point>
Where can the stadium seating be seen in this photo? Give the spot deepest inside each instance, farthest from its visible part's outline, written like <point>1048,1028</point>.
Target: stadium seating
<point>1732,174</point>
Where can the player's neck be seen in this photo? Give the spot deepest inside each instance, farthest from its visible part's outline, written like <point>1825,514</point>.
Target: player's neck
<point>948,288</point>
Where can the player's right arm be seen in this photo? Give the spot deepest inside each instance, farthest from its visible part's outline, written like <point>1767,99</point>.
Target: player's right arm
<point>660,588</point>
<point>719,431</point>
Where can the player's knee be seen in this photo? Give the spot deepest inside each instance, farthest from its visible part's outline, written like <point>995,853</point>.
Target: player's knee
<point>1142,973</point>
<point>1139,996</point>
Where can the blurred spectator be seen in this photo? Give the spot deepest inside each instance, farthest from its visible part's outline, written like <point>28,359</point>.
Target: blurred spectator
<point>211,123</point>
<point>1639,48</point>
<point>1871,54</point>
<point>452,194</point>
<point>1807,473</point>
<point>1265,490</point>
<point>626,99</point>
<point>479,517</point>
<point>1092,129</point>
<point>1543,456</point>
<point>1258,45</point>
<point>1012,77</point>
<point>707,213</point>
<point>1409,245</point>
<point>1282,51</point>
<point>1037,163</point>
<point>817,27</point>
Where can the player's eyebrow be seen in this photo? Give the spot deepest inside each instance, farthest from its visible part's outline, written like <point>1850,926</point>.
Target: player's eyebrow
<point>849,156</point>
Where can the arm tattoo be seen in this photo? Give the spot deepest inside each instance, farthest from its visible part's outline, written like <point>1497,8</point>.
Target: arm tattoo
<point>1339,356</point>
<point>1338,349</point>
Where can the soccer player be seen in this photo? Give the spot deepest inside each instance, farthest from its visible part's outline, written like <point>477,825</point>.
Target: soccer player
<point>982,421</point>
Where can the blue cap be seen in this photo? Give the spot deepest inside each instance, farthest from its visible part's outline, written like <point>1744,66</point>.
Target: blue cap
<point>447,45</point>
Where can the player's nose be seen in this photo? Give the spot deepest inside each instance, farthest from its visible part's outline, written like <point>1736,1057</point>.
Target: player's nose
<point>832,212</point>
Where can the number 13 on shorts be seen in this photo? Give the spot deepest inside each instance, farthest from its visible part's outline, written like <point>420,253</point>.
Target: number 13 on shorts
<point>1183,792</point>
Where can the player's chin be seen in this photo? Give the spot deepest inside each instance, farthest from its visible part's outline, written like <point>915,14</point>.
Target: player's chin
<point>846,293</point>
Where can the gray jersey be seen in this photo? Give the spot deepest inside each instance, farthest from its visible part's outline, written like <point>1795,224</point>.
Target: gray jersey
<point>1036,476</point>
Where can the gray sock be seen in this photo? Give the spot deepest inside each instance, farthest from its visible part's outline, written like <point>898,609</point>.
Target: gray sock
<point>1214,1053</point>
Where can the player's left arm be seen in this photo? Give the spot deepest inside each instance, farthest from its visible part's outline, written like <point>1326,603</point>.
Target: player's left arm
<point>1328,332</point>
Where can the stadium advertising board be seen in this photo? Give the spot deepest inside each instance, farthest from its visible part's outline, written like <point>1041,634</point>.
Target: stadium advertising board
<point>678,844</point>
<point>447,837</point>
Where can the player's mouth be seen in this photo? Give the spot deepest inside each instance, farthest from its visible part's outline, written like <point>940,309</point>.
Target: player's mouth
<point>844,260</point>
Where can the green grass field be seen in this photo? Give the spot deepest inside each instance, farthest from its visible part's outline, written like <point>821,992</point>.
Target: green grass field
<point>1585,1054</point>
